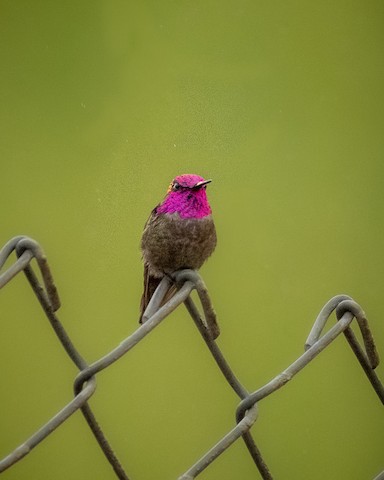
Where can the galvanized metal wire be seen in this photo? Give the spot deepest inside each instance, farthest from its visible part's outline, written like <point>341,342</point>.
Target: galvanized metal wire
<point>345,307</point>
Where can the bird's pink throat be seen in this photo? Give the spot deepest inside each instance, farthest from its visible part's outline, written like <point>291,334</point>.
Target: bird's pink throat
<point>188,204</point>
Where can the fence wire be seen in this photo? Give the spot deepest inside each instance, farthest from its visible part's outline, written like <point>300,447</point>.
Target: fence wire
<point>345,307</point>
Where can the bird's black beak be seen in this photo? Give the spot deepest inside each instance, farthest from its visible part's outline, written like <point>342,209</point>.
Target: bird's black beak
<point>201,184</point>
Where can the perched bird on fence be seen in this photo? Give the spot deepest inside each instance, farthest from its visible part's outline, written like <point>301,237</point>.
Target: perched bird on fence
<point>179,233</point>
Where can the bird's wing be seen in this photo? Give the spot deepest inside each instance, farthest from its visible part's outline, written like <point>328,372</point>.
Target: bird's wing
<point>150,282</point>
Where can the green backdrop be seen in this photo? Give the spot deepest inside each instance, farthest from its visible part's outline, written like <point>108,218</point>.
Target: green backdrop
<point>281,104</point>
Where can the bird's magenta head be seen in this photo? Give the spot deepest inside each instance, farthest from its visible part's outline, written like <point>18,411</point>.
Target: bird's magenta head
<point>186,196</point>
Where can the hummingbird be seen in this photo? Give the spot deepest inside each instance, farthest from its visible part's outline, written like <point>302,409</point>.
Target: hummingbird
<point>179,233</point>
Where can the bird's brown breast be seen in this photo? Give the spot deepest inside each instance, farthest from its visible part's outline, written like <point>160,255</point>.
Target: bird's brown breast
<point>170,243</point>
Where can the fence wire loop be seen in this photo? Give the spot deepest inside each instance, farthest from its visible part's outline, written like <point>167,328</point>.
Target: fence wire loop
<point>164,301</point>
<point>359,314</point>
<point>209,312</point>
<point>31,245</point>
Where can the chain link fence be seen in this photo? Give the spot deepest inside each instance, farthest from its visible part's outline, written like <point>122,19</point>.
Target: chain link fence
<point>345,307</point>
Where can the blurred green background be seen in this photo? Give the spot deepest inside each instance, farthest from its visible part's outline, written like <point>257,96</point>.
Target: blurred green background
<point>281,104</point>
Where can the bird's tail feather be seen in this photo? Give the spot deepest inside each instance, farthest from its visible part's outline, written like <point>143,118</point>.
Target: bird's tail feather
<point>150,285</point>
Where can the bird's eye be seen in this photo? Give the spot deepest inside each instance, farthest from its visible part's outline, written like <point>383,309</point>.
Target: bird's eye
<point>175,186</point>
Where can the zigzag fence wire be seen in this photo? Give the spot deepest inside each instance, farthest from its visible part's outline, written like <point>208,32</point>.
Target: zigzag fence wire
<point>186,280</point>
